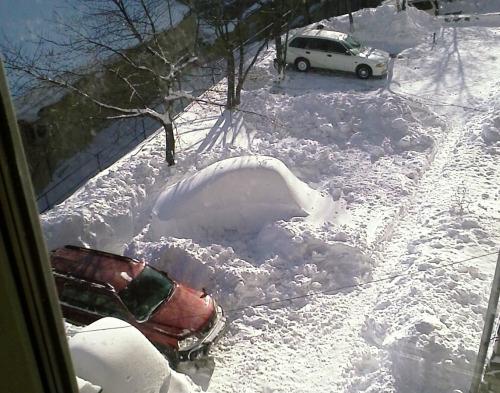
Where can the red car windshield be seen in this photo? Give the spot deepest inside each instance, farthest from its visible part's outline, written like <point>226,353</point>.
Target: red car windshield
<point>146,292</point>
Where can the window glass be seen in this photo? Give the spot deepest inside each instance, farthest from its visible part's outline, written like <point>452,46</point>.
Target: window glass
<point>335,47</point>
<point>423,5</point>
<point>298,42</point>
<point>93,301</point>
<point>317,44</point>
<point>146,292</point>
<point>353,45</point>
<point>77,297</point>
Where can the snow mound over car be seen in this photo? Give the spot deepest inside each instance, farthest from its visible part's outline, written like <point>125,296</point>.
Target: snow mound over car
<point>106,353</point>
<point>239,194</point>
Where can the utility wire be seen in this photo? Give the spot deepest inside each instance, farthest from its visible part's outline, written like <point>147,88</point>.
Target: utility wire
<point>324,292</point>
<point>360,285</point>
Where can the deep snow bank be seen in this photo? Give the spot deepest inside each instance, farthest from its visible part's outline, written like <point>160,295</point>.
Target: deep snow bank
<point>238,194</point>
<point>284,260</point>
<point>105,353</point>
<point>385,28</point>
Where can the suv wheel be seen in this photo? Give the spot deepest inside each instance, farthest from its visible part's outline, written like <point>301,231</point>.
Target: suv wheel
<point>302,64</point>
<point>363,71</point>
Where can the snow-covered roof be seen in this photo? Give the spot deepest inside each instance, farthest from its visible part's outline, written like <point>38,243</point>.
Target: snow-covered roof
<point>322,33</point>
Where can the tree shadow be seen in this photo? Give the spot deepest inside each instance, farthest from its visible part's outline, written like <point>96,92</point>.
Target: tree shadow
<point>228,130</point>
<point>451,66</point>
<point>325,81</point>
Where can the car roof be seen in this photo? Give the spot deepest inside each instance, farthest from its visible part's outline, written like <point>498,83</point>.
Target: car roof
<point>321,33</point>
<point>95,266</point>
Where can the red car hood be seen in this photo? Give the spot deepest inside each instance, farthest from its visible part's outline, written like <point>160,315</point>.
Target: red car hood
<point>186,309</point>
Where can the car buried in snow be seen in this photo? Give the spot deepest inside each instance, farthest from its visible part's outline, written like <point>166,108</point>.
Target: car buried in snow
<point>182,322</point>
<point>318,47</point>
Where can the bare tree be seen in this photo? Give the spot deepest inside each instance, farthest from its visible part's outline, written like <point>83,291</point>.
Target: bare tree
<point>115,55</point>
<point>307,14</point>
<point>239,47</point>
<point>280,15</point>
<point>351,19</point>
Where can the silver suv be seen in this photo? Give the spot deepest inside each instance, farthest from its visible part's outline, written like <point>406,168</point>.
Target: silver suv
<point>331,50</point>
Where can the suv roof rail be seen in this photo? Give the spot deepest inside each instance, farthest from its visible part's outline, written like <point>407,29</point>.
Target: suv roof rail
<point>116,257</point>
<point>99,284</point>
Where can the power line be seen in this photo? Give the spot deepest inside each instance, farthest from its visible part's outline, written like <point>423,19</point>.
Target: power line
<point>324,292</point>
<point>353,286</point>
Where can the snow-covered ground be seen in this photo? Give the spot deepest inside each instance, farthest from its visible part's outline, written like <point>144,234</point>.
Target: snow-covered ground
<point>380,300</point>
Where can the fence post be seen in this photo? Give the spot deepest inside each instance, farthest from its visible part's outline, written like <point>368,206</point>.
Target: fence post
<point>98,161</point>
<point>487,330</point>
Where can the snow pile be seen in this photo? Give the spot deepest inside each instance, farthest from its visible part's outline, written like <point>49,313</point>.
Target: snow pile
<point>285,259</point>
<point>378,123</point>
<point>105,353</point>
<point>385,28</point>
<point>239,194</point>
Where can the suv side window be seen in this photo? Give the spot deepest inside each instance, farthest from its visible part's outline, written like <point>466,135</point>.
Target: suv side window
<point>336,47</point>
<point>299,42</point>
<point>93,301</point>
<point>75,296</point>
<point>317,44</point>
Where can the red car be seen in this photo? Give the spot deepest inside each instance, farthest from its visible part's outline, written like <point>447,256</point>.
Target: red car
<point>180,321</point>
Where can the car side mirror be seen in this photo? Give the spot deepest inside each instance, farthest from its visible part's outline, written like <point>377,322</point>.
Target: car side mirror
<point>348,52</point>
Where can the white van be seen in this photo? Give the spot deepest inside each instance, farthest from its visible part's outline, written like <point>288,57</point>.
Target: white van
<point>331,50</point>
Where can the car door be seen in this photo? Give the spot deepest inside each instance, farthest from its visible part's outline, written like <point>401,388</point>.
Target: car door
<point>75,300</point>
<point>337,57</point>
<point>315,52</point>
<point>296,48</point>
<point>83,304</point>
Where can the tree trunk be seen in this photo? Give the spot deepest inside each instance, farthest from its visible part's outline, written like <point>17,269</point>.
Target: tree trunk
<point>351,19</point>
<point>307,15</point>
<point>277,23</point>
<point>231,80</point>
<point>170,142</point>
<point>239,85</point>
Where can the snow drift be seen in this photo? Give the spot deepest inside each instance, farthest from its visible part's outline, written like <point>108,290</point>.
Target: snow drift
<point>105,353</point>
<point>239,194</point>
<point>385,28</point>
